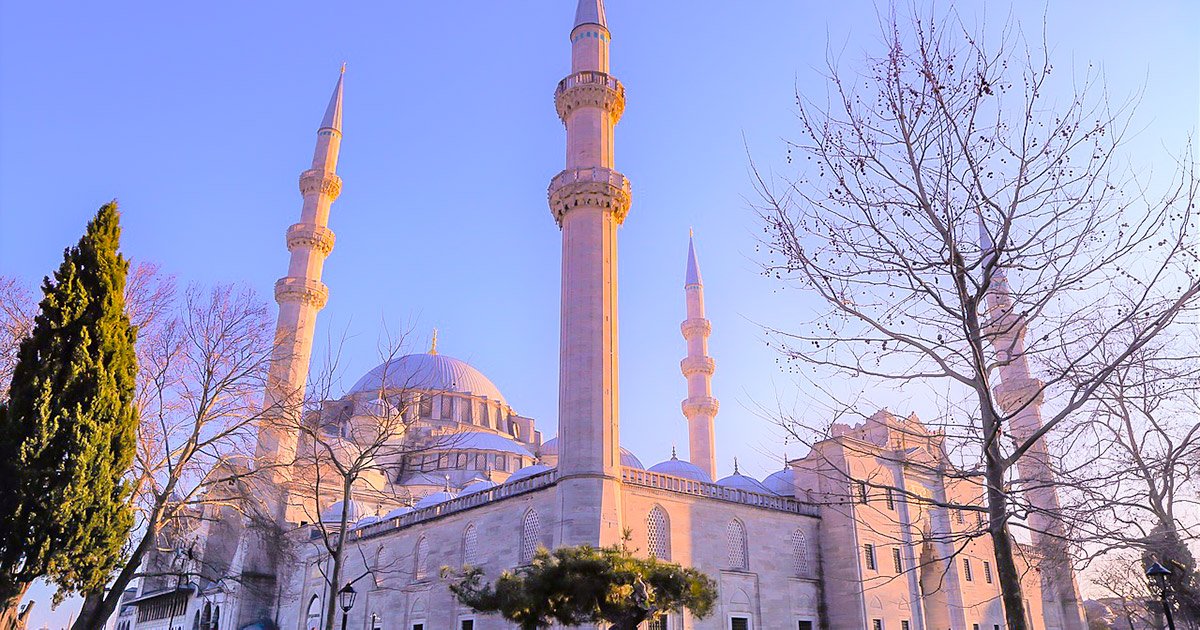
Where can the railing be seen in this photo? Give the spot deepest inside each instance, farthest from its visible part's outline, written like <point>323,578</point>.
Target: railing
<point>597,174</point>
<point>590,77</point>
<point>458,504</point>
<point>647,479</point>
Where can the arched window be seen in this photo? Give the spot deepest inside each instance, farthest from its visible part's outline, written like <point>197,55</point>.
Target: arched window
<point>658,533</point>
<point>531,530</point>
<point>195,622</point>
<point>216,621</point>
<point>470,545</point>
<point>735,541</point>
<point>800,552</point>
<point>313,621</point>
<point>206,617</point>
<point>420,558</point>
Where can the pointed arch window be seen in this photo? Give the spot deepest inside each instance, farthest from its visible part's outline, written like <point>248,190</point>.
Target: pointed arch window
<point>471,545</point>
<point>658,533</point>
<point>735,542</point>
<point>800,561</point>
<point>531,529</point>
<point>313,620</point>
<point>420,558</point>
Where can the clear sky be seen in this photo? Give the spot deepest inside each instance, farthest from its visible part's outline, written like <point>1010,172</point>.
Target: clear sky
<point>200,117</point>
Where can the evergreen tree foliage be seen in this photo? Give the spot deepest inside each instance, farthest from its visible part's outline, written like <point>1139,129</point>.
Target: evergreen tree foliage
<point>68,428</point>
<point>1163,545</point>
<point>581,585</point>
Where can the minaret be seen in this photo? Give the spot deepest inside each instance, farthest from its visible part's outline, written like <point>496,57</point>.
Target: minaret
<point>589,200</point>
<point>700,408</point>
<point>1019,395</point>
<point>300,293</point>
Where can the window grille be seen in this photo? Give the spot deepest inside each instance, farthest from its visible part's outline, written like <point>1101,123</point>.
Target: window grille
<point>896,560</point>
<point>658,623</point>
<point>967,569</point>
<point>891,500</point>
<point>958,516</point>
<point>658,533</point>
<point>446,407</point>
<point>862,492</point>
<point>904,624</point>
<point>869,552</point>
<point>471,545</point>
<point>739,623</point>
<point>804,625</point>
<point>877,624</point>
<point>531,529</point>
<point>987,572</point>
<point>420,559</point>
<point>799,552</point>
<point>735,539</point>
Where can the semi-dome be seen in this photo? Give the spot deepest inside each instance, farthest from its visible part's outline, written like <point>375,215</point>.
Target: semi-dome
<point>526,472</point>
<point>366,520</point>
<point>478,485</point>
<point>549,448</point>
<point>333,513</point>
<point>782,482</point>
<point>681,468</point>
<point>480,441</point>
<point>738,481</point>
<point>433,499</point>
<point>400,511</point>
<point>428,371</point>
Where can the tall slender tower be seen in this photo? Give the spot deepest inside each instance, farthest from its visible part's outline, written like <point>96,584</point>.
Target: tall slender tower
<point>1019,394</point>
<point>700,408</point>
<point>589,200</point>
<point>301,294</point>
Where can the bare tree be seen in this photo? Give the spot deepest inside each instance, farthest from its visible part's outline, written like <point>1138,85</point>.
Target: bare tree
<point>201,372</point>
<point>17,310</point>
<point>958,217</point>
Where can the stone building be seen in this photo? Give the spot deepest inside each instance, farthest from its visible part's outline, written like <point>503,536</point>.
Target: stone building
<point>853,535</point>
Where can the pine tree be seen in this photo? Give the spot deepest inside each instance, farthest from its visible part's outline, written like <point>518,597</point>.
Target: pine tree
<point>68,428</point>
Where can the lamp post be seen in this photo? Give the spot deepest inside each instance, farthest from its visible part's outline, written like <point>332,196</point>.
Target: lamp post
<point>1158,575</point>
<point>346,599</point>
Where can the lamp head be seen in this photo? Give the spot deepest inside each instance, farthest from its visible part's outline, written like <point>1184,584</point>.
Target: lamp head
<point>346,597</point>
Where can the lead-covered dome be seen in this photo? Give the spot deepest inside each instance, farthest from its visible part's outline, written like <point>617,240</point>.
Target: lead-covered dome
<point>782,482</point>
<point>681,468</point>
<point>426,371</point>
<point>549,451</point>
<point>738,481</point>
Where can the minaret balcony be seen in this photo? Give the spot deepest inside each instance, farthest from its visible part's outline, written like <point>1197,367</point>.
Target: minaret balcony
<point>590,88</point>
<point>698,365</point>
<point>692,327</point>
<point>315,180</point>
<point>596,187</point>
<point>700,406</point>
<point>302,290</point>
<point>316,237</point>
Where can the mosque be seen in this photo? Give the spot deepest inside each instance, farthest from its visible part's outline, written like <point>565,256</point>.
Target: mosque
<point>854,535</point>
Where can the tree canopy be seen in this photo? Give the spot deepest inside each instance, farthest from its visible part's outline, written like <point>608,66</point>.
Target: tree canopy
<point>586,585</point>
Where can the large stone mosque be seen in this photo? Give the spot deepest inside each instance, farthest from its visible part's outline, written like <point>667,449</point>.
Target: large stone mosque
<point>854,535</point>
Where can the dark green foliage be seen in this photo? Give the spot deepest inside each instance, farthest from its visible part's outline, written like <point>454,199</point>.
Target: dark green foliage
<point>68,428</point>
<point>584,585</point>
<point>1164,546</point>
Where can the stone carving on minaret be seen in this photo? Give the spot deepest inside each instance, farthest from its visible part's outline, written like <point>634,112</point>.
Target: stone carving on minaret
<point>589,199</point>
<point>700,407</point>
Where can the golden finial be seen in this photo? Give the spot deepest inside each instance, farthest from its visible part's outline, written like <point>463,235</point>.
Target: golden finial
<point>691,233</point>
<point>343,67</point>
<point>433,344</point>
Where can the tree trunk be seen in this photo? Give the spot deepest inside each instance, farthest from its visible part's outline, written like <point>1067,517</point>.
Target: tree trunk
<point>95,617</point>
<point>11,616</point>
<point>336,555</point>
<point>1006,567</point>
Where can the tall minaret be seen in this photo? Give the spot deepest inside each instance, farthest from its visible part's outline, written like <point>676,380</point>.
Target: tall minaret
<point>589,200</point>
<point>700,408</point>
<point>300,293</point>
<point>1019,395</point>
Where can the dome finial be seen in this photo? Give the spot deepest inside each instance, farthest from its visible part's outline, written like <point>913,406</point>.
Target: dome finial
<point>433,343</point>
<point>735,467</point>
<point>673,455</point>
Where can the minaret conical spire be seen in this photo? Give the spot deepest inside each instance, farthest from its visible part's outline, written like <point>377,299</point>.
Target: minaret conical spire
<point>333,112</point>
<point>700,407</point>
<point>589,200</point>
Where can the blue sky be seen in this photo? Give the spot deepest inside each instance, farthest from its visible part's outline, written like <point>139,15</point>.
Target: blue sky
<point>199,118</point>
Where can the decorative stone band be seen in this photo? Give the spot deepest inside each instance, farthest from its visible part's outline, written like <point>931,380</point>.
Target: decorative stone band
<point>700,406</point>
<point>318,181</point>
<point>303,290</point>
<point>694,365</point>
<point>595,187</point>
<point>590,88</point>
<point>1017,393</point>
<point>316,237</point>
<point>695,326</point>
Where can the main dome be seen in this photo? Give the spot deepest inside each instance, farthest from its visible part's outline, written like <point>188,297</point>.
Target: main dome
<point>426,371</point>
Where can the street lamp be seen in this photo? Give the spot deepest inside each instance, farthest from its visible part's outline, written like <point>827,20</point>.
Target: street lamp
<point>1158,575</point>
<point>346,598</point>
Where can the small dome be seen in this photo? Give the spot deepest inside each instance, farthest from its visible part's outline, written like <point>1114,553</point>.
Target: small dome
<point>681,468</point>
<point>400,511</point>
<point>377,408</point>
<point>549,448</point>
<point>478,485</point>
<point>333,513</point>
<point>782,482</point>
<point>480,441</point>
<point>738,481</point>
<point>434,499</point>
<point>425,371</point>
<point>366,520</point>
<point>526,472</point>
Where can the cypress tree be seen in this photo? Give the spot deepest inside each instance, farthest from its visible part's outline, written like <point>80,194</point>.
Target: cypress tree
<point>68,429</point>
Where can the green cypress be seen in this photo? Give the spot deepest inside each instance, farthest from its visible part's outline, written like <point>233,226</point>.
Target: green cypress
<point>68,429</point>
